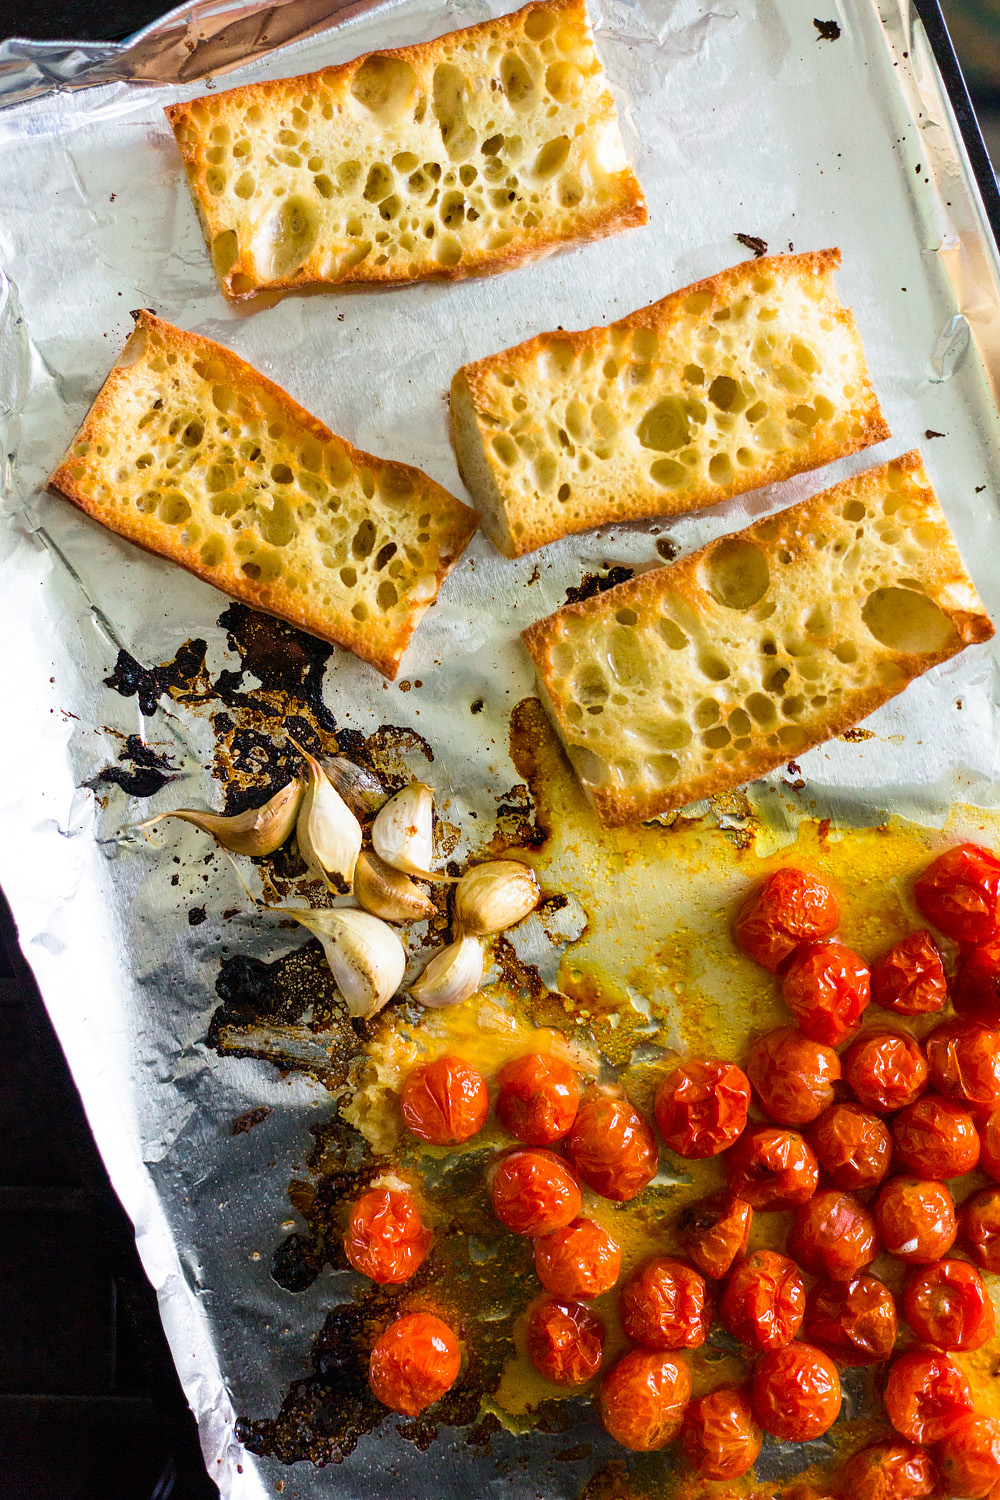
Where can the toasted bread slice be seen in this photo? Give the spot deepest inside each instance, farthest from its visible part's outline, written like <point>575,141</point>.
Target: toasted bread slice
<point>192,454</point>
<point>694,678</point>
<point>469,154</point>
<point>740,380</point>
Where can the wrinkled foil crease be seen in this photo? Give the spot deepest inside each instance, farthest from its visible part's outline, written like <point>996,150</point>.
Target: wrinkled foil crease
<point>719,110</point>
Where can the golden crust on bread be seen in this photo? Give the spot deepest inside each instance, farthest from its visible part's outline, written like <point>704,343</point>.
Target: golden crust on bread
<point>740,380</point>
<point>191,453</point>
<point>697,677</point>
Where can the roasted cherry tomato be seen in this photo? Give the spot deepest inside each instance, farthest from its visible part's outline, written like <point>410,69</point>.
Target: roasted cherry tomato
<point>764,1300</point>
<point>926,1395</point>
<point>936,1137</point>
<point>643,1399</point>
<point>915,1219</point>
<point>969,1457</point>
<point>947,1304</point>
<point>975,989</point>
<point>385,1238</point>
<point>414,1362</point>
<point>959,893</point>
<point>885,1070</point>
<point>789,908</point>
<point>538,1098</point>
<point>796,1392</point>
<point>963,1061</point>
<point>772,1168</point>
<point>827,990</point>
<point>701,1106</point>
<point>534,1192</point>
<point>981,1228</point>
<point>612,1147</point>
<point>889,1471</point>
<point>792,1075</point>
<point>714,1232</point>
<point>989,1142</point>
<point>445,1101</point>
<point>910,978</point>
<point>578,1262</point>
<point>665,1305</point>
<point>565,1341</point>
<point>833,1235</point>
<point>853,1147</point>
<point>720,1438</point>
<point>855,1321</point>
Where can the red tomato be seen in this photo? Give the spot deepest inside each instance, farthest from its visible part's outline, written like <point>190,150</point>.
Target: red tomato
<point>413,1363</point>
<point>981,1228</point>
<point>827,990</point>
<point>926,1395</point>
<point>714,1232</point>
<point>910,978</point>
<point>916,1219</point>
<point>720,1438</point>
<point>853,1147</point>
<point>936,1138</point>
<point>792,1076</point>
<point>832,1235</point>
<point>963,1061</point>
<point>796,1392</point>
<point>643,1399</point>
<point>534,1192</point>
<point>665,1305</point>
<point>445,1102</point>
<point>789,908</point>
<point>538,1098</point>
<point>947,1304</point>
<point>885,1070</point>
<point>764,1300</point>
<point>612,1147</point>
<point>889,1471</point>
<point>959,893</point>
<point>969,1457</point>
<point>772,1168</point>
<point>989,1141</point>
<point>385,1238</point>
<point>853,1321</point>
<point>701,1106</point>
<point>975,989</point>
<point>565,1341</point>
<point>578,1262</point>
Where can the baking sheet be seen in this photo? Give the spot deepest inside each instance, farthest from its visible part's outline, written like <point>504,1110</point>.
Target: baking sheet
<point>740,118</point>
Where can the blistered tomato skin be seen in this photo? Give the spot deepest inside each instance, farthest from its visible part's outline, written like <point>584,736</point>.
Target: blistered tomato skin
<point>538,1098</point>
<point>720,1438</point>
<point>959,893</point>
<point>643,1399</point>
<point>796,1392</point>
<point>855,1322</point>
<point>885,1070</point>
<point>534,1192</point>
<point>826,987</point>
<point>969,1458</point>
<point>981,1228</point>
<point>947,1304</point>
<point>701,1107</point>
<point>792,1075</point>
<point>612,1148</point>
<point>853,1147</point>
<point>445,1101</point>
<point>926,1395</point>
<point>565,1342</point>
<point>665,1305</point>
<point>889,1471</point>
<point>975,989</point>
<point>963,1060</point>
<point>936,1137</point>
<point>764,1301</point>
<point>386,1239</point>
<point>771,1168</point>
<point>915,1219</point>
<point>910,978</point>
<point>833,1235</point>
<point>414,1363</point>
<point>578,1262</point>
<point>789,908</point>
<point>714,1232</point>
<point>989,1142</point>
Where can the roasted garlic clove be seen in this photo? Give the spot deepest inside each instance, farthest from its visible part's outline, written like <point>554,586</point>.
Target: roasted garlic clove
<point>258,830</point>
<point>495,895</point>
<point>452,975</point>
<point>403,832</point>
<point>329,834</point>
<point>359,787</point>
<point>389,893</point>
<point>366,958</point>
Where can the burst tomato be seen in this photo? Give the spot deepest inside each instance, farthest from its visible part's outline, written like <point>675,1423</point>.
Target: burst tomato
<point>981,1228</point>
<point>853,1147</point>
<point>827,990</point>
<point>833,1235</point>
<point>790,907</point>
<point>534,1192</point>
<point>578,1262</point>
<point>910,978</point>
<point>885,1070</point>
<point>855,1321</point>
<point>565,1341</point>
<point>538,1098</point>
<point>915,1219</point>
<point>926,1395</point>
<point>413,1363</point>
<point>764,1300</point>
<point>796,1392</point>
<point>989,1142</point>
<point>959,893</point>
<point>612,1147</point>
<point>665,1305</point>
<point>969,1457</point>
<point>772,1168</point>
<point>720,1438</point>
<point>963,1062</point>
<point>714,1232</point>
<point>889,1471</point>
<point>936,1137</point>
<point>643,1399</point>
<point>975,989</point>
<point>792,1075</point>
<point>701,1107</point>
<point>386,1239</point>
<point>445,1101</point>
<point>947,1304</point>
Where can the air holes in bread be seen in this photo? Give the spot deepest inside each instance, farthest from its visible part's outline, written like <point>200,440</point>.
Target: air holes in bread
<point>909,622</point>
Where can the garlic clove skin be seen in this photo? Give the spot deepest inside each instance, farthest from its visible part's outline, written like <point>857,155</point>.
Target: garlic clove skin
<point>388,893</point>
<point>329,834</point>
<point>495,895</point>
<point>451,976</point>
<point>403,832</point>
<point>359,787</point>
<point>257,831</point>
<point>366,958</point>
